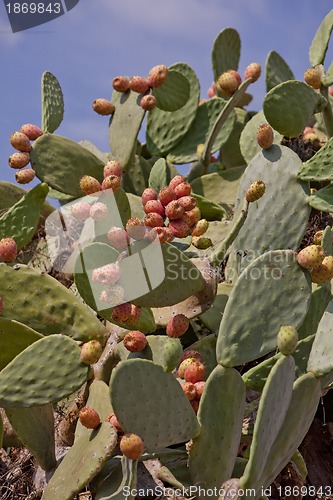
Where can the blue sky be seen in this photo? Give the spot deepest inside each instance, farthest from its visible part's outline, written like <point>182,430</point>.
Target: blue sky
<point>100,39</point>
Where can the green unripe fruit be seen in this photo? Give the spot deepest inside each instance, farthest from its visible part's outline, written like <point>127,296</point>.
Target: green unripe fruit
<point>287,340</point>
<point>91,352</point>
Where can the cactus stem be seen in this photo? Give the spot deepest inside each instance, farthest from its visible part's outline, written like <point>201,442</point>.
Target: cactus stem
<point>327,113</point>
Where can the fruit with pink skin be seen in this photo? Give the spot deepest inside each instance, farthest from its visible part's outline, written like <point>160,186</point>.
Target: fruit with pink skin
<point>157,75</point>
<point>135,315</point>
<point>199,386</point>
<point>118,238</point>
<point>323,272</point>
<point>148,102</point>
<point>183,189</point>
<point>330,91</point>
<point>98,211</point>
<point>148,195</point>
<point>113,167</point>
<point>115,422</point>
<point>89,185</point>
<point>31,131</point>
<point>81,210</point>
<point>120,83</point>
<point>227,84</point>
<point>154,206</point>
<point>265,136</point>
<point>188,202</point>
<point>166,195</point>
<point>25,176</point>
<point>20,142</point>
<point>183,365</point>
<point>200,228</point>
<point>255,191</point>
<point>174,210</point>
<point>195,405</point>
<point>153,220</point>
<point>111,182</point>
<point>19,160</point>
<point>135,341</point>
<point>195,372</point>
<point>178,179</point>
<point>311,256</point>
<point>89,418</point>
<point>168,235</point>
<point>191,353</point>
<point>161,234</point>
<point>91,352</point>
<point>177,325</point>
<point>236,75</point>
<point>103,107</point>
<point>131,446</point>
<point>122,312</point>
<point>107,275</point>
<point>252,71</point>
<point>8,249</point>
<point>313,76</point>
<point>190,218</point>
<point>113,295</point>
<point>212,90</point>
<point>138,84</point>
<point>190,390</point>
<point>179,228</point>
<point>135,228</point>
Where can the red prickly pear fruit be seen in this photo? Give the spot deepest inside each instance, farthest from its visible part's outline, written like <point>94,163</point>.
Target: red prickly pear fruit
<point>19,160</point>
<point>195,405</point>
<point>166,195</point>
<point>103,107</point>
<point>1,306</point>
<point>120,83</point>
<point>98,211</point>
<point>236,75</point>
<point>154,206</point>
<point>81,210</point>
<point>287,340</point>
<point>118,238</point>
<point>317,237</point>
<point>190,218</point>
<point>195,372</point>
<point>135,315</point>
<point>179,228</point>
<point>161,233</point>
<point>148,102</point>
<point>201,242</point>
<point>115,422</point>
<point>107,275</point>
<point>183,189</point>
<point>200,228</point>
<point>131,446</point>
<point>255,191</point>
<point>148,194</point>
<point>265,136</point>
<point>113,295</point>
<point>135,228</point>
<point>188,202</point>
<point>177,325</point>
<point>199,386</point>
<point>31,131</point>
<point>91,352</point>
<point>311,256</point>
<point>111,182</point>
<point>153,220</point>
<point>330,91</point>
<point>313,77</point>
<point>157,75</point>
<point>113,167</point>
<point>324,272</point>
<point>212,90</point>
<point>8,249</point>
<point>252,71</point>
<point>178,179</point>
<point>183,365</point>
<point>138,84</point>
<point>191,353</point>
<point>135,341</point>
<point>25,176</point>
<point>174,210</point>
<point>89,418</point>
<point>89,185</point>
<point>20,142</point>
<point>189,390</point>
<point>122,312</point>
<point>169,236</point>
<point>227,84</point>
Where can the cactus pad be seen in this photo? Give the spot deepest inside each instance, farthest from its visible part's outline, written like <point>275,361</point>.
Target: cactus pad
<point>277,70</point>
<point>226,51</point>
<point>174,92</point>
<point>321,39</point>
<point>321,355</point>
<point>322,200</point>
<point>52,103</point>
<point>14,338</point>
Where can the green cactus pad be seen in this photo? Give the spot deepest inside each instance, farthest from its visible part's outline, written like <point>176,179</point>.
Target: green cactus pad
<point>186,150</point>
<point>248,328</point>
<point>48,307</point>
<point>328,79</point>
<point>320,298</point>
<point>273,407</point>
<point>327,240</point>
<point>212,318</point>
<point>164,129</point>
<point>160,349</point>
<point>52,103</point>
<point>46,371</point>
<point>109,484</point>
<point>226,51</point>
<point>83,461</point>
<point>321,200</point>
<point>321,355</point>
<point>210,210</point>
<point>21,220</point>
<point>220,416</point>
<point>174,93</point>
<point>135,178</point>
<point>94,150</point>
<point>248,140</point>
<point>289,106</point>
<point>154,406</point>
<point>136,205</point>
<point>14,338</point>
<point>277,70</point>
<point>319,167</point>
<point>321,39</point>
<point>256,377</point>
<point>35,429</point>
<point>61,163</point>
<point>160,175</point>
<point>230,154</point>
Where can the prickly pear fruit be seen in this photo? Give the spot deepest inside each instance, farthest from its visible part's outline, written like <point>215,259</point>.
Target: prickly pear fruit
<point>183,365</point>
<point>148,102</point>
<point>265,136</point>
<point>111,182</point>
<point>191,353</point>
<point>179,228</point>
<point>106,275</point>
<point>201,242</point>
<point>311,256</point>
<point>20,142</point>
<point>160,233</point>
<point>31,131</point>
<point>323,272</point>
<point>200,228</point>
<point>287,340</point>
<point>317,237</point>
<point>91,352</point>
<point>122,312</point>
<point>113,167</point>
<point>178,179</point>
<point>153,220</point>
<point>135,228</point>
<point>199,386</point>
<point>255,191</point>
<point>313,76</point>
<point>154,206</point>
<point>118,238</point>
<point>195,372</point>
<point>135,341</point>
<point>103,107</point>
<point>25,176</point>
<point>138,84</point>
<point>195,405</point>
<point>157,75</point>
<point>135,315</point>
<point>227,84</point>
<point>183,189</point>
<point>253,71</point>
<point>8,249</point>
<point>115,422</point>
<point>212,90</point>
<point>89,418</point>
<point>113,295</point>
<point>174,210</point>
<point>98,211</point>
<point>19,160</point>
<point>131,446</point>
<point>188,202</point>
<point>120,83</point>
<point>81,210</point>
<point>148,195</point>
<point>236,75</point>
<point>189,390</point>
<point>166,195</point>
<point>177,325</point>
<point>89,185</point>
<point>191,217</point>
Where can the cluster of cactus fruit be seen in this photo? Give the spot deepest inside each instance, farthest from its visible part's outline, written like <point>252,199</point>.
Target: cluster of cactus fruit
<point>154,355</point>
